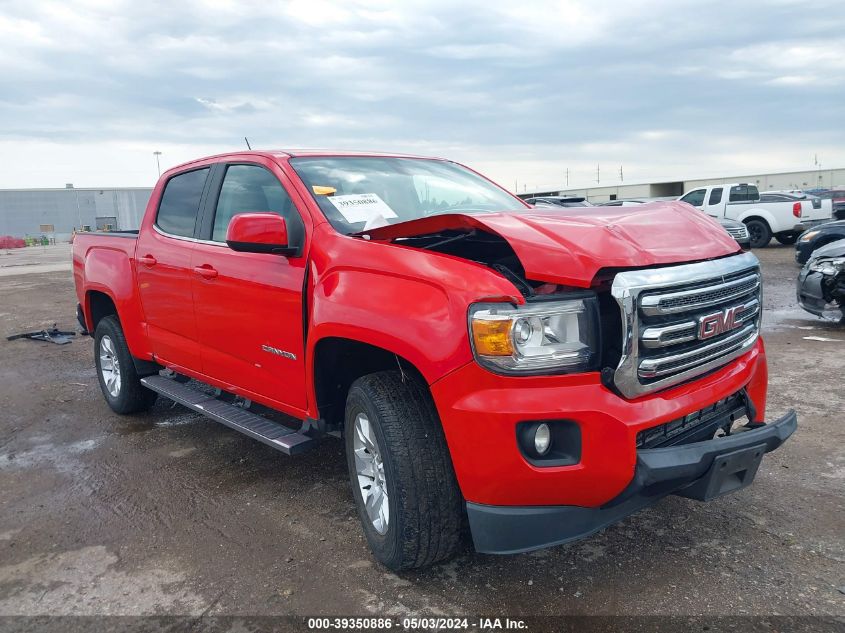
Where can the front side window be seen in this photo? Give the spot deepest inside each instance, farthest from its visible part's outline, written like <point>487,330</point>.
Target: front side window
<point>715,196</point>
<point>250,188</point>
<point>180,203</point>
<point>695,198</point>
<point>358,193</point>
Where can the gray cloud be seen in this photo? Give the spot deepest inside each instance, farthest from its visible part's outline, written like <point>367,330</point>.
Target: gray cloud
<point>526,89</point>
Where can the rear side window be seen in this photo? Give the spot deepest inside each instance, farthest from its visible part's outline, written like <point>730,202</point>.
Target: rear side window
<point>180,203</point>
<point>741,193</point>
<point>695,198</point>
<point>715,196</point>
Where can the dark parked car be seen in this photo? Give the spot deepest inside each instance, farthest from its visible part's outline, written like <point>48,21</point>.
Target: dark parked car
<point>560,201</point>
<point>821,283</point>
<point>817,237</point>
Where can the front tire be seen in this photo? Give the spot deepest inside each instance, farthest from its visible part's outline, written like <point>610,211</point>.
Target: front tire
<point>119,382</point>
<point>760,233</point>
<point>787,239</point>
<point>404,484</point>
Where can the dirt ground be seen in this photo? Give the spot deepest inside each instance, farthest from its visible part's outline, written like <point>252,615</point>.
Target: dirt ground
<point>170,513</point>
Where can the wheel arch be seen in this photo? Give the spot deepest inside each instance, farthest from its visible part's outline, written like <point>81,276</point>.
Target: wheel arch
<point>338,361</point>
<point>745,220</point>
<point>98,304</point>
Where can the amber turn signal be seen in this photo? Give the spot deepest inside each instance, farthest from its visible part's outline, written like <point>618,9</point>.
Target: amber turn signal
<point>492,337</point>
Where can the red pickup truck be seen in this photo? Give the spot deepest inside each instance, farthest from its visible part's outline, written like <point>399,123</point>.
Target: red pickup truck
<point>537,373</point>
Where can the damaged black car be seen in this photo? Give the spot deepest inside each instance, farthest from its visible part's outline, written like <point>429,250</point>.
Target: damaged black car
<point>821,283</point>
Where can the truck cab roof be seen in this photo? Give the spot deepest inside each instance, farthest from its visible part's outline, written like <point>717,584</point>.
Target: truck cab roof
<point>296,153</point>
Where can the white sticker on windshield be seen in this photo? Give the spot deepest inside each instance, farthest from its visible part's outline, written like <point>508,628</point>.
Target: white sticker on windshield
<point>361,207</point>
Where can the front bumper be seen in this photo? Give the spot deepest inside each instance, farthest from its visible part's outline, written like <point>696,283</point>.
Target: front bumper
<point>812,297</point>
<point>803,250</point>
<point>702,470</point>
<point>480,412</point>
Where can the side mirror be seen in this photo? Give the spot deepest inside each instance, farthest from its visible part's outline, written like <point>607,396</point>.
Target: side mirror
<point>258,233</point>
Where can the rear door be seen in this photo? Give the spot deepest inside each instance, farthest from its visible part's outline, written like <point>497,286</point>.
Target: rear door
<point>249,305</point>
<point>163,263</point>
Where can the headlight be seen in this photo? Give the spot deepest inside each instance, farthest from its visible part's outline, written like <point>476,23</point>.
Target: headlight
<point>828,266</point>
<point>543,337</point>
<point>808,236</point>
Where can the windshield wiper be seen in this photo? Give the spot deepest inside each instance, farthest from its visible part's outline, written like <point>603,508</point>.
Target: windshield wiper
<point>449,240</point>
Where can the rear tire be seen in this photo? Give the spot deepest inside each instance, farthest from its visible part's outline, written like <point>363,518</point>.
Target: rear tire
<point>119,382</point>
<point>395,447</point>
<point>787,239</point>
<point>760,233</point>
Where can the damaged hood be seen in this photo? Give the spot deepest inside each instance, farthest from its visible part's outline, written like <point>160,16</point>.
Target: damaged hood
<point>834,249</point>
<point>569,246</point>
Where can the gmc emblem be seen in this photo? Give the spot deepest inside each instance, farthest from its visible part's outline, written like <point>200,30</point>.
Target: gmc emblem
<point>719,322</point>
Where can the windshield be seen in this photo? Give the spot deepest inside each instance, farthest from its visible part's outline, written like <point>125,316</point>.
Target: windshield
<point>360,193</point>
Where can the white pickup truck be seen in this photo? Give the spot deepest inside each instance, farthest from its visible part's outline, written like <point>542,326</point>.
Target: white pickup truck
<point>740,201</point>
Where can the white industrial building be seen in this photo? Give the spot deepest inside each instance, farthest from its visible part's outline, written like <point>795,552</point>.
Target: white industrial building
<point>57,212</point>
<point>814,179</point>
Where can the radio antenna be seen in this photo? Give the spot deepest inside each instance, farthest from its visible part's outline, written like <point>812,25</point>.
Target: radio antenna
<point>247,143</point>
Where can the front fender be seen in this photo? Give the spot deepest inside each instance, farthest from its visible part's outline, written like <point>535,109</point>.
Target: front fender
<point>410,317</point>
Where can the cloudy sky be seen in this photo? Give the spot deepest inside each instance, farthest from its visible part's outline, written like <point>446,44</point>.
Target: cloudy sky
<point>521,90</point>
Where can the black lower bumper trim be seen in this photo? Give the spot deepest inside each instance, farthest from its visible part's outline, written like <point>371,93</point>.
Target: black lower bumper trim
<point>702,470</point>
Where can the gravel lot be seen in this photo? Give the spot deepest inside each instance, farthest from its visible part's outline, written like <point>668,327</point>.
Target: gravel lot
<point>169,513</point>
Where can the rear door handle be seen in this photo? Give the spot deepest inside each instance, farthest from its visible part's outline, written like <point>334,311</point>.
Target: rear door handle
<point>205,271</point>
<point>148,260</point>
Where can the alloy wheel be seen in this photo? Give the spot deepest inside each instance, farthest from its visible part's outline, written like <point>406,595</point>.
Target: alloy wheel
<point>369,466</point>
<point>110,366</point>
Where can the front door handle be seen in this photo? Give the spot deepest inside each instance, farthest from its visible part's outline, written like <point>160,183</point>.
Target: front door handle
<point>148,260</point>
<point>205,271</point>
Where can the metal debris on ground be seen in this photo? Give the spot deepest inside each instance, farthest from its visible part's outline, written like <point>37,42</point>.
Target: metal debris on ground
<point>53,335</point>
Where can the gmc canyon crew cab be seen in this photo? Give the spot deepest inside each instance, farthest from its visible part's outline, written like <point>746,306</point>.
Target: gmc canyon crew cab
<point>537,373</point>
<point>784,221</point>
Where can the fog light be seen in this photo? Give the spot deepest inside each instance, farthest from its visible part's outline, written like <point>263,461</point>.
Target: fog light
<point>542,439</point>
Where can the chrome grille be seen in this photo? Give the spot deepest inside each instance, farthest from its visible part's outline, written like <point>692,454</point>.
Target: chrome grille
<point>737,232</point>
<point>717,292</point>
<point>682,321</point>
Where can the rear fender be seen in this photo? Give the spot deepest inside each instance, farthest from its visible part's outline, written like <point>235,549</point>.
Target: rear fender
<point>110,271</point>
<point>765,214</point>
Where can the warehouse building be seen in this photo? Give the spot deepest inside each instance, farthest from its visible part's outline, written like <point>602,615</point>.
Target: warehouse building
<point>814,179</point>
<point>56,213</point>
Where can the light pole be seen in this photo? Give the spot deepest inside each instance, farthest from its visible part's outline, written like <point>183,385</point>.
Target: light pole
<point>158,165</point>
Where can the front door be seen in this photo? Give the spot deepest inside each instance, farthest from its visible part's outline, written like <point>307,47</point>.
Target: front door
<point>695,198</point>
<point>249,305</point>
<point>163,268</point>
<point>714,204</point>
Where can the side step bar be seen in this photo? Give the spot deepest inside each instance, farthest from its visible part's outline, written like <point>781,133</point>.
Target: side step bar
<point>273,434</point>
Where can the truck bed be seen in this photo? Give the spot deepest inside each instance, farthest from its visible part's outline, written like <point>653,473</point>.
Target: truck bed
<point>129,234</point>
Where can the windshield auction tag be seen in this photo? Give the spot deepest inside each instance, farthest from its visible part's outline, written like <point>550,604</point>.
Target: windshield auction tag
<point>361,207</point>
